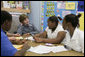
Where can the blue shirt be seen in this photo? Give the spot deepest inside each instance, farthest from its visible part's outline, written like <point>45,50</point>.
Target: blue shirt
<point>7,48</point>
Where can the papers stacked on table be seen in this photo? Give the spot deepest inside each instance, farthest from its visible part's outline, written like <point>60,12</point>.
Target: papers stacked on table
<point>41,49</point>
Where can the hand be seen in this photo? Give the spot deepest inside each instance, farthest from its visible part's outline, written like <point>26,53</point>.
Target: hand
<point>15,41</point>
<point>26,35</point>
<point>23,41</point>
<point>26,45</point>
<point>20,41</point>
<point>17,35</point>
<point>12,38</point>
<point>38,39</point>
<point>36,35</point>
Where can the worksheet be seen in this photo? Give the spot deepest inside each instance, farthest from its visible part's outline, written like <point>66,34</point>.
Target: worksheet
<point>42,49</point>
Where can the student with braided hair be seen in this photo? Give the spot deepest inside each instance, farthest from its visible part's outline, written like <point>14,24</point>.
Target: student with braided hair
<point>74,38</point>
<point>51,33</point>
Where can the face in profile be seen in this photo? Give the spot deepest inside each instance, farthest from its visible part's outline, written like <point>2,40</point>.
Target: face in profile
<point>26,21</point>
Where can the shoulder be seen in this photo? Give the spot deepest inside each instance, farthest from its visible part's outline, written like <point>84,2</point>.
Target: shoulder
<point>4,38</point>
<point>20,25</point>
<point>62,33</point>
<point>60,27</point>
<point>31,24</point>
<point>80,33</point>
<point>3,34</point>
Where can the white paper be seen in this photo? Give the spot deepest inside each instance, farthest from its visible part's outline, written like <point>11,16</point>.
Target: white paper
<point>30,38</point>
<point>49,44</point>
<point>41,49</point>
<point>59,49</point>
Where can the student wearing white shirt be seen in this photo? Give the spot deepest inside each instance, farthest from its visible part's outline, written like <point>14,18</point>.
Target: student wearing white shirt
<point>74,38</point>
<point>51,34</point>
<point>71,37</point>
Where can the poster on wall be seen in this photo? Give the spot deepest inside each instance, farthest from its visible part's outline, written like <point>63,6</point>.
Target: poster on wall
<point>57,8</point>
<point>70,6</point>
<point>42,15</point>
<point>61,5</point>
<point>81,21</point>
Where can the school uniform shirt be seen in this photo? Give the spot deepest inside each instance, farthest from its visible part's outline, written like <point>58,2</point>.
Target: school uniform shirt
<point>76,42</point>
<point>52,35</point>
<point>7,48</point>
<point>29,28</point>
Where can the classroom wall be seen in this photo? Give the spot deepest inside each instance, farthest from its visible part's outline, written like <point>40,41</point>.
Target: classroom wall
<point>15,22</point>
<point>34,16</point>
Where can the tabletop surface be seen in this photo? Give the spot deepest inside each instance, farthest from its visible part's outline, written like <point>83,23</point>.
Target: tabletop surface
<point>64,53</point>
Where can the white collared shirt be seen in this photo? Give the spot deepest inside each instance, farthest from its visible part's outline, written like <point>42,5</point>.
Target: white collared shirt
<point>53,35</point>
<point>76,42</point>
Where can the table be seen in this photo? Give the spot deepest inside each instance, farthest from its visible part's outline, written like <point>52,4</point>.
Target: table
<point>65,53</point>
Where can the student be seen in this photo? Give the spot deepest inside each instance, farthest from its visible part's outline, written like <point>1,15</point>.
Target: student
<point>7,48</point>
<point>26,27</point>
<point>51,34</point>
<point>74,38</point>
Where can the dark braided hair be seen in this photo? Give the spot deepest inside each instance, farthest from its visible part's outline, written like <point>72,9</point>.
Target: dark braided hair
<point>54,19</point>
<point>73,19</point>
